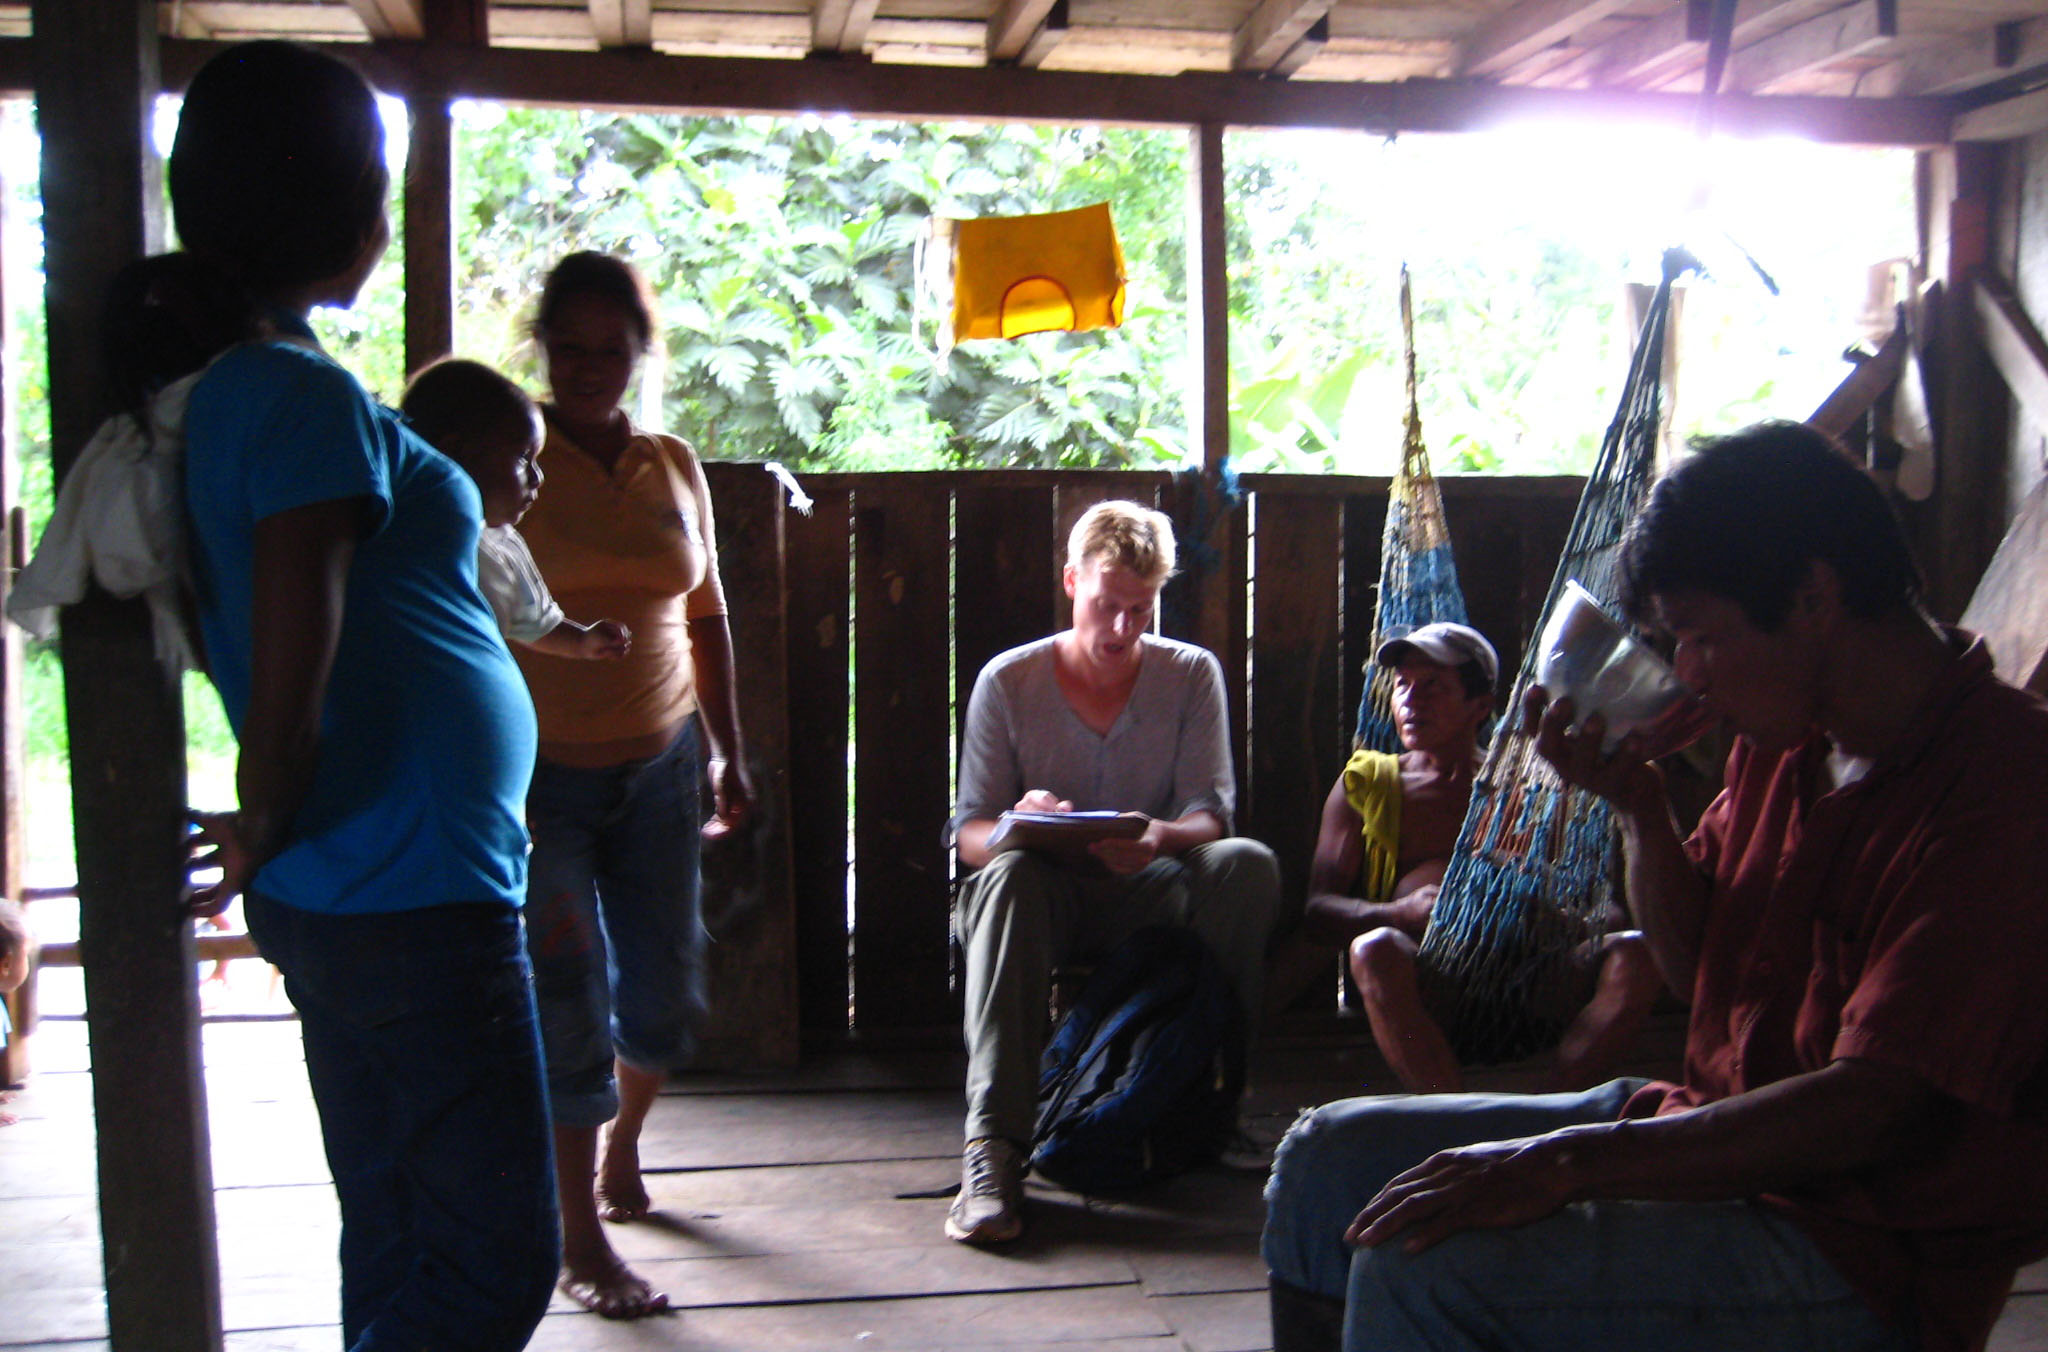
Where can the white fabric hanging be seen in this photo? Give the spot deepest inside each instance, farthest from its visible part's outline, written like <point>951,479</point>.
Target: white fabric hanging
<point>120,522</point>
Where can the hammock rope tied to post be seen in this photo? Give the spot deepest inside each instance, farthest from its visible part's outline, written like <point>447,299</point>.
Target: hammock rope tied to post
<point>1511,950</point>
<point>1418,577</point>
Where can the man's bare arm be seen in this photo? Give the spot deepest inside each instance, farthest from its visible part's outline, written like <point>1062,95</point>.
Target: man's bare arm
<point>1335,913</point>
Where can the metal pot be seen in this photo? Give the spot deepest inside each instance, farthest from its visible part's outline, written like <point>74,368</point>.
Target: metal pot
<point>1586,655</point>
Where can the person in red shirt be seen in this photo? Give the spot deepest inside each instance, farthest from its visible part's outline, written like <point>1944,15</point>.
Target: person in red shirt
<point>1857,1155</point>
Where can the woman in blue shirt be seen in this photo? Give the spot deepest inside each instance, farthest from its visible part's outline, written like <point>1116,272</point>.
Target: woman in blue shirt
<point>385,736</point>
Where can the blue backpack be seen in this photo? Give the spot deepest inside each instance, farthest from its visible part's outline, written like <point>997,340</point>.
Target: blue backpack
<point>1141,1080</point>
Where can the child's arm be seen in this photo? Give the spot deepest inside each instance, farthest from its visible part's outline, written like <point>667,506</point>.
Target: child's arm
<point>605,639</point>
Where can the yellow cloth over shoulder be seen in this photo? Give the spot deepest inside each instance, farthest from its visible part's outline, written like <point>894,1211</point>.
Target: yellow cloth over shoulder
<point>1372,785</point>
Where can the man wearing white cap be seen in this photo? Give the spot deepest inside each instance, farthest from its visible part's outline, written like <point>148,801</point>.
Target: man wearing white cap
<point>1388,830</point>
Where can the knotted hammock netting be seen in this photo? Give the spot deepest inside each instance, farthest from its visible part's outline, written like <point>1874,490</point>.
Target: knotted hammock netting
<point>1418,577</point>
<point>1511,951</point>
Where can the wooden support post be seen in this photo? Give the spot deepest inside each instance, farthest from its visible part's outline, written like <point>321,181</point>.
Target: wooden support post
<point>1221,602</point>
<point>1208,299</point>
<point>1969,508</point>
<point>429,231</point>
<point>21,1006</point>
<point>96,84</point>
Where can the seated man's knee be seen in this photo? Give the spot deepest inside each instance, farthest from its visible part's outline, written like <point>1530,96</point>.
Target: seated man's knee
<point>1304,1162</point>
<point>1005,878</point>
<point>1382,959</point>
<point>1626,965</point>
<point>1244,862</point>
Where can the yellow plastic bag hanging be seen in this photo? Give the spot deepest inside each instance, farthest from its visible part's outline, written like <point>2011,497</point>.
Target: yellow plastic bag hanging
<point>1012,275</point>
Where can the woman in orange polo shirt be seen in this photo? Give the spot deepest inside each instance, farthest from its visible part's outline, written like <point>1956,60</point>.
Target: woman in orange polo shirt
<point>622,528</point>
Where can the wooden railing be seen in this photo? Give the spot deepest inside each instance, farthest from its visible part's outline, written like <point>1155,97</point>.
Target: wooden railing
<point>859,629</point>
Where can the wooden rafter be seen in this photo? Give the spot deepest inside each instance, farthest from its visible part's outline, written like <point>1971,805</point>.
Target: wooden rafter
<point>1521,32</point>
<point>1853,30</point>
<point>1015,24</point>
<point>385,19</point>
<point>1965,62</point>
<point>1306,49</point>
<point>841,25</point>
<point>1655,49</point>
<point>2014,344</point>
<point>1051,32</point>
<point>623,23</point>
<point>1273,30</point>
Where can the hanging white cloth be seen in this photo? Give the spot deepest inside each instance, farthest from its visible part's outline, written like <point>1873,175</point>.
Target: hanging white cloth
<point>120,522</point>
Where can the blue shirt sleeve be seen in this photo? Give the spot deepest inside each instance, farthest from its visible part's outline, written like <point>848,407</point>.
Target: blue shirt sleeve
<point>316,438</point>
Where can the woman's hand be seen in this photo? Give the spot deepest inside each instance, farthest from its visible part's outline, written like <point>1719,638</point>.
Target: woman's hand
<point>732,796</point>
<point>218,843</point>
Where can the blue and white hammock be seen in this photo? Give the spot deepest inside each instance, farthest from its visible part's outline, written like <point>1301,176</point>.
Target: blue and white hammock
<point>1418,577</point>
<point>1512,945</point>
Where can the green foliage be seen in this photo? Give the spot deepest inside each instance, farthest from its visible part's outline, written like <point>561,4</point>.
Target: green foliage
<point>781,252</point>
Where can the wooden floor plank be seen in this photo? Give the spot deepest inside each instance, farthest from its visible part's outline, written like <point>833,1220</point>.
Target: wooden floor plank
<point>785,1223</point>
<point>1234,1322</point>
<point>938,1268</point>
<point>1092,1318</point>
<point>1202,1265</point>
<point>723,1131</point>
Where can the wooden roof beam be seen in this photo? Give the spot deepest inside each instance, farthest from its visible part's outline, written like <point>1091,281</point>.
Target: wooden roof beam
<point>1274,29</point>
<point>622,23</point>
<point>1656,49</point>
<point>841,26</point>
<point>639,80</point>
<point>388,19</point>
<point>1853,30</point>
<point>1965,62</point>
<point>2008,120</point>
<point>1017,25</point>
<point>1516,34</point>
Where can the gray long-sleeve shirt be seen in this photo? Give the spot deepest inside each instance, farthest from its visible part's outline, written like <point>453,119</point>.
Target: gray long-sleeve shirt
<point>1167,754</point>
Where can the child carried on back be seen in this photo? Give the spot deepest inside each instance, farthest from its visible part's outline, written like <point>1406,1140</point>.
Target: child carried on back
<point>488,425</point>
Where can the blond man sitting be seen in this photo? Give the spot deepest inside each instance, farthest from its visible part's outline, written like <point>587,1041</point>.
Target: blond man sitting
<point>1105,716</point>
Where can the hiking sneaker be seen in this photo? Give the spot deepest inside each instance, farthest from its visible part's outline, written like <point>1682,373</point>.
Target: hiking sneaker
<point>989,1209</point>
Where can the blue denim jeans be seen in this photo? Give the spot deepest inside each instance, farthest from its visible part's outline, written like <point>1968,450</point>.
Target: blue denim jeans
<point>614,923</point>
<point>1672,1276</point>
<point>425,1066</point>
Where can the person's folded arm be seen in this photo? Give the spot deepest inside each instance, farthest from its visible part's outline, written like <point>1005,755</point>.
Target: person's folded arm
<point>1831,1123</point>
<point>300,582</point>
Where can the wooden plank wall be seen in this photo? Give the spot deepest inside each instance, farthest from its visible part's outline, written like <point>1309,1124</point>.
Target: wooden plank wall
<point>916,580</point>
<point>752,1019</point>
<point>902,772</point>
<point>818,600</point>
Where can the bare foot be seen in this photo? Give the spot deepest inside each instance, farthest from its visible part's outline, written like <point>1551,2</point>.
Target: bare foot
<point>614,1291</point>
<point>621,1196</point>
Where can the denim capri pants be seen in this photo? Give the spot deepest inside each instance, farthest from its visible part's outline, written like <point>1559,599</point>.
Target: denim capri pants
<point>614,922</point>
